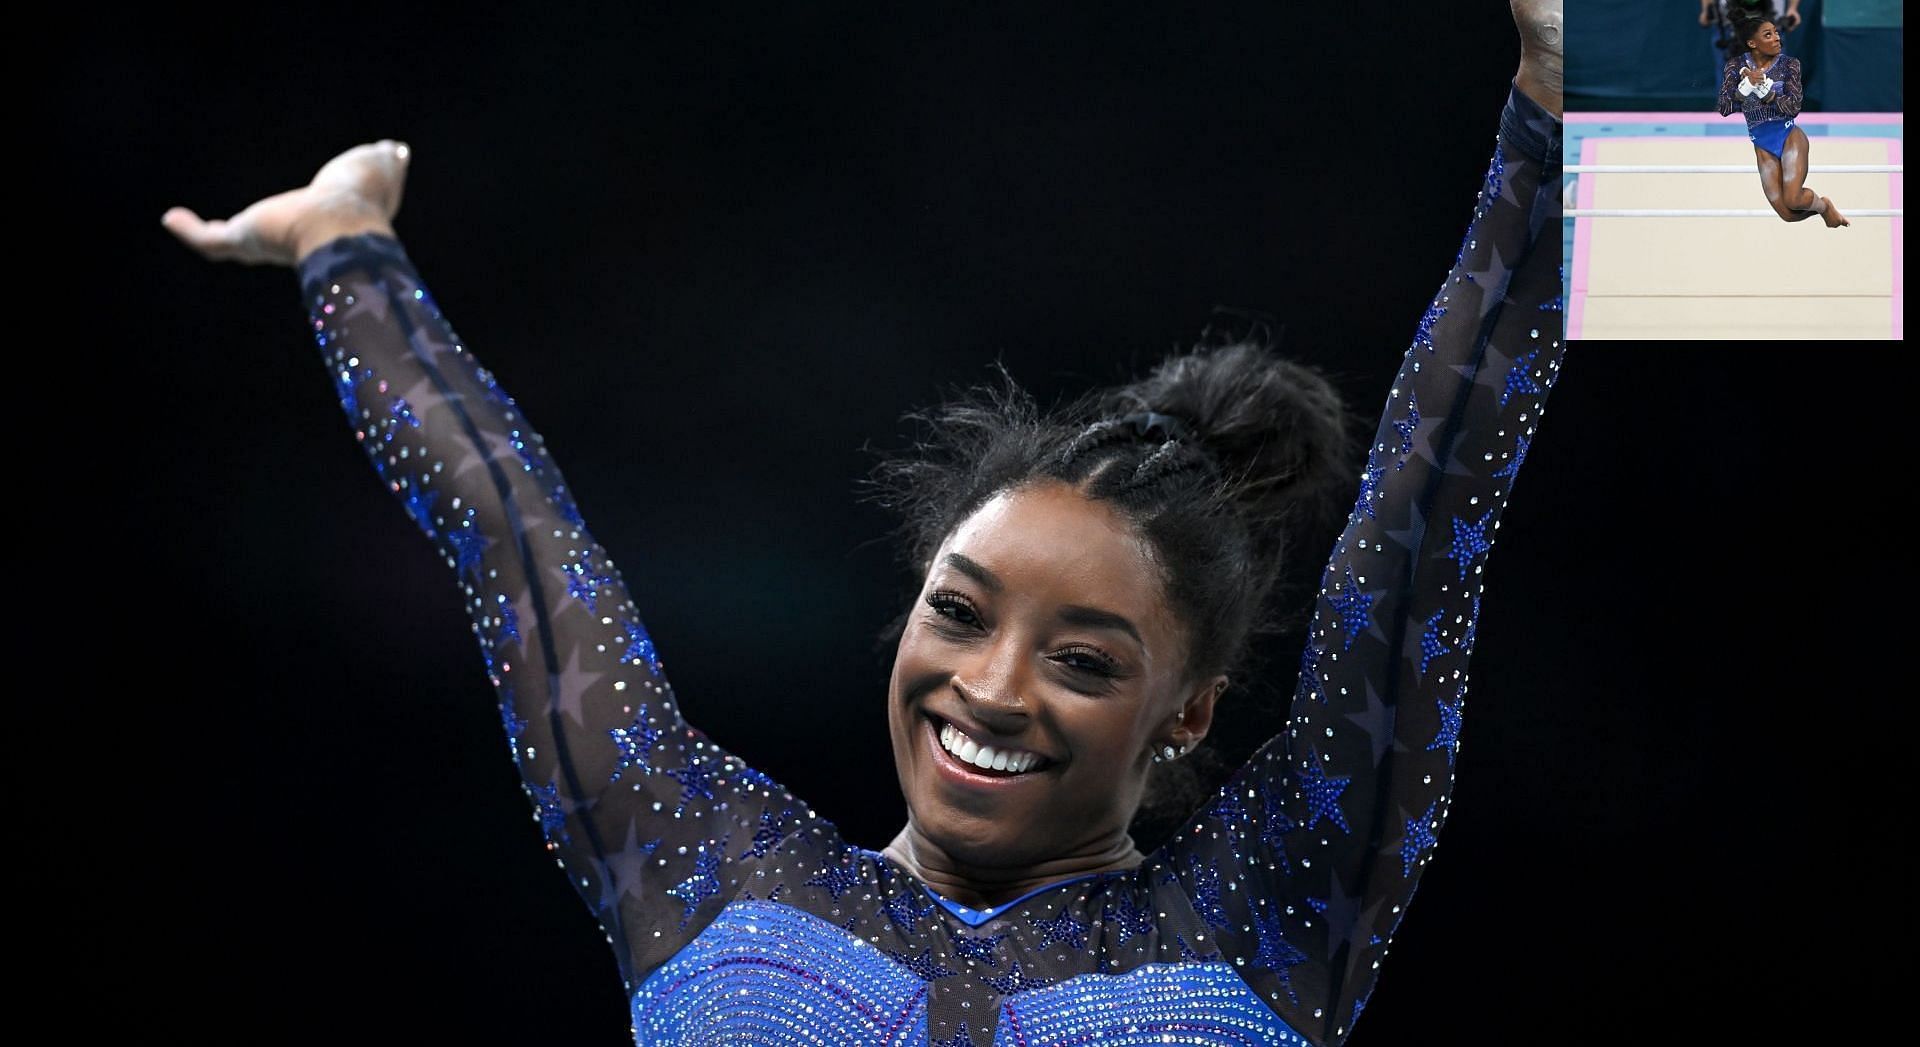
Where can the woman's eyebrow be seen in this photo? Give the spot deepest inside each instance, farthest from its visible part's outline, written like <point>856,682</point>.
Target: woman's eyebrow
<point>1072,614</point>
<point>1094,617</point>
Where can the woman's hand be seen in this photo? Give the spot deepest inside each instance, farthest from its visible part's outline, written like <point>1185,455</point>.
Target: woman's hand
<point>1750,75</point>
<point>358,191</point>
<point>1542,52</point>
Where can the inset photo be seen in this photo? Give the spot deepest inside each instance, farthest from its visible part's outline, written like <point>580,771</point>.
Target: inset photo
<point>1733,169</point>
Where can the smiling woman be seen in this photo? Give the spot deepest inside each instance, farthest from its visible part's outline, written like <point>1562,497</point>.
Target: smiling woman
<point>1088,582</point>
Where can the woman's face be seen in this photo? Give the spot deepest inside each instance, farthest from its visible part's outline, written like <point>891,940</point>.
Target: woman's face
<point>1042,631</point>
<point>1766,41</point>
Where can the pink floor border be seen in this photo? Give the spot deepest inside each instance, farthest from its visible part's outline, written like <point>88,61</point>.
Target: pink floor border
<point>1577,291</point>
<point>1804,118</point>
<point>1899,237</point>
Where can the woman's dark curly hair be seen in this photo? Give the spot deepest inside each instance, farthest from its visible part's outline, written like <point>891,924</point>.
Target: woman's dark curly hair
<point>1266,456</point>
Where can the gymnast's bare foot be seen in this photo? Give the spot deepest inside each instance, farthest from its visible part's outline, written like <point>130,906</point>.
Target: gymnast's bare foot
<point>1832,215</point>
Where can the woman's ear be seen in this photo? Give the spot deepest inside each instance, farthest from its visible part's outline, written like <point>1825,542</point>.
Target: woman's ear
<point>1196,713</point>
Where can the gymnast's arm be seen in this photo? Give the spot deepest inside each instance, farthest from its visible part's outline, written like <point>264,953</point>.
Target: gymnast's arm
<point>1308,857</point>
<point>1730,83</point>
<point>648,817</point>
<point>1787,94</point>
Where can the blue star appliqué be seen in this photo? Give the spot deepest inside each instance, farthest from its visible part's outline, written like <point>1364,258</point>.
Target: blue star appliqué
<point>1322,794</point>
<point>1423,332</point>
<point>639,646</point>
<point>529,461</point>
<point>563,504</point>
<point>584,581</point>
<point>514,725</point>
<point>1355,608</point>
<point>1062,928</point>
<point>703,884</point>
<point>345,382</point>
<point>837,878</point>
<point>1512,467</point>
<point>509,622</point>
<point>1519,380</point>
<point>553,816</point>
<point>1419,838</point>
<point>1205,892</point>
<point>635,742</point>
<point>756,779</point>
<point>908,908</point>
<point>923,965</point>
<point>768,834</point>
<point>977,947</point>
<point>1310,682</point>
<point>1014,981</point>
<point>1430,645</point>
<point>468,544</point>
<point>1405,428</point>
<point>1128,917</point>
<point>1473,622</point>
<point>1277,954</point>
<point>1496,172</point>
<point>696,779</point>
<point>1369,485</point>
<point>960,1039</point>
<point>1274,825</point>
<point>1226,807</point>
<point>1469,541</point>
<point>420,507</point>
<point>1449,736</point>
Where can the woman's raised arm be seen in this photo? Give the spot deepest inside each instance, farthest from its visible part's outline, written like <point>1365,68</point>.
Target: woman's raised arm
<point>1309,856</point>
<point>654,824</point>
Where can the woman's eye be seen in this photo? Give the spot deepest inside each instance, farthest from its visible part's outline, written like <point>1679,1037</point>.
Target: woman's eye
<point>1088,662</point>
<point>949,607</point>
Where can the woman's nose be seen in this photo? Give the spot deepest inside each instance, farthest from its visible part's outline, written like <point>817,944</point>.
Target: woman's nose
<point>994,684</point>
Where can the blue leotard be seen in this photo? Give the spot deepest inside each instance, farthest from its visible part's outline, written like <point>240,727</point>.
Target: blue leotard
<point>738,914</point>
<point>1769,121</point>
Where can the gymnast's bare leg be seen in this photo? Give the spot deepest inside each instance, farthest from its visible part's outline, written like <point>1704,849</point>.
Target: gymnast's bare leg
<point>1793,173</point>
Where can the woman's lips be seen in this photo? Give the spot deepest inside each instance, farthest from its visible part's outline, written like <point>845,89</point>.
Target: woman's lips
<point>966,774</point>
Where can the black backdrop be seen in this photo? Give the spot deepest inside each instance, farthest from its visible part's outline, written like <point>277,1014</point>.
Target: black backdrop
<point>712,255</point>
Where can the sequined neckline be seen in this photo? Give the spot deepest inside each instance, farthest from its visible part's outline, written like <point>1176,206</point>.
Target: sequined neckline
<point>975,917</point>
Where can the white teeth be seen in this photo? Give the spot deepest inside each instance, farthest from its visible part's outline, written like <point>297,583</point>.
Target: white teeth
<point>984,757</point>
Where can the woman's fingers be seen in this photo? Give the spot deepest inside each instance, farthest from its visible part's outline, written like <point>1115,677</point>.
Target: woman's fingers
<point>214,240</point>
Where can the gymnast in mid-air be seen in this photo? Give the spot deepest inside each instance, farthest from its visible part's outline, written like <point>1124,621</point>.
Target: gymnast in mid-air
<point>1764,85</point>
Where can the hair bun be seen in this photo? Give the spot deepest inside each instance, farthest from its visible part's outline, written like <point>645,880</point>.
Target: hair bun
<point>1278,429</point>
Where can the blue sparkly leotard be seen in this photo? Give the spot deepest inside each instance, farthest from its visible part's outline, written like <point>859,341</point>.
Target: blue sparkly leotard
<point>1767,121</point>
<point>737,914</point>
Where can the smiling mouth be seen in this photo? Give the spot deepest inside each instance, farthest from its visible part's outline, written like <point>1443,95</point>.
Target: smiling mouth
<point>987,761</point>
<point>957,766</point>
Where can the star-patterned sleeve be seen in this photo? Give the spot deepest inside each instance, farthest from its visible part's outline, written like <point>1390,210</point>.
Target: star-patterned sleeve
<point>1307,858</point>
<point>1787,97</point>
<point>1730,97</point>
<point>653,823</point>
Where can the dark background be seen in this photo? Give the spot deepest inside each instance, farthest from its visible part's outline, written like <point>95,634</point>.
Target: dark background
<point>713,256</point>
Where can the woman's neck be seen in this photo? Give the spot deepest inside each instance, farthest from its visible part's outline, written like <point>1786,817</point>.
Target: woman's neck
<point>982,887</point>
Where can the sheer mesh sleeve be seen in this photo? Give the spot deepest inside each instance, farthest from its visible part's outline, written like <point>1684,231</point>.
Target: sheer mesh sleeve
<point>1321,837</point>
<point>1788,89</point>
<point>652,822</point>
<point>1730,87</point>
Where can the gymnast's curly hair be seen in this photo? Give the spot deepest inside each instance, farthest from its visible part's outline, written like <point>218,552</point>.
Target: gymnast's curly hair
<point>1269,456</point>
